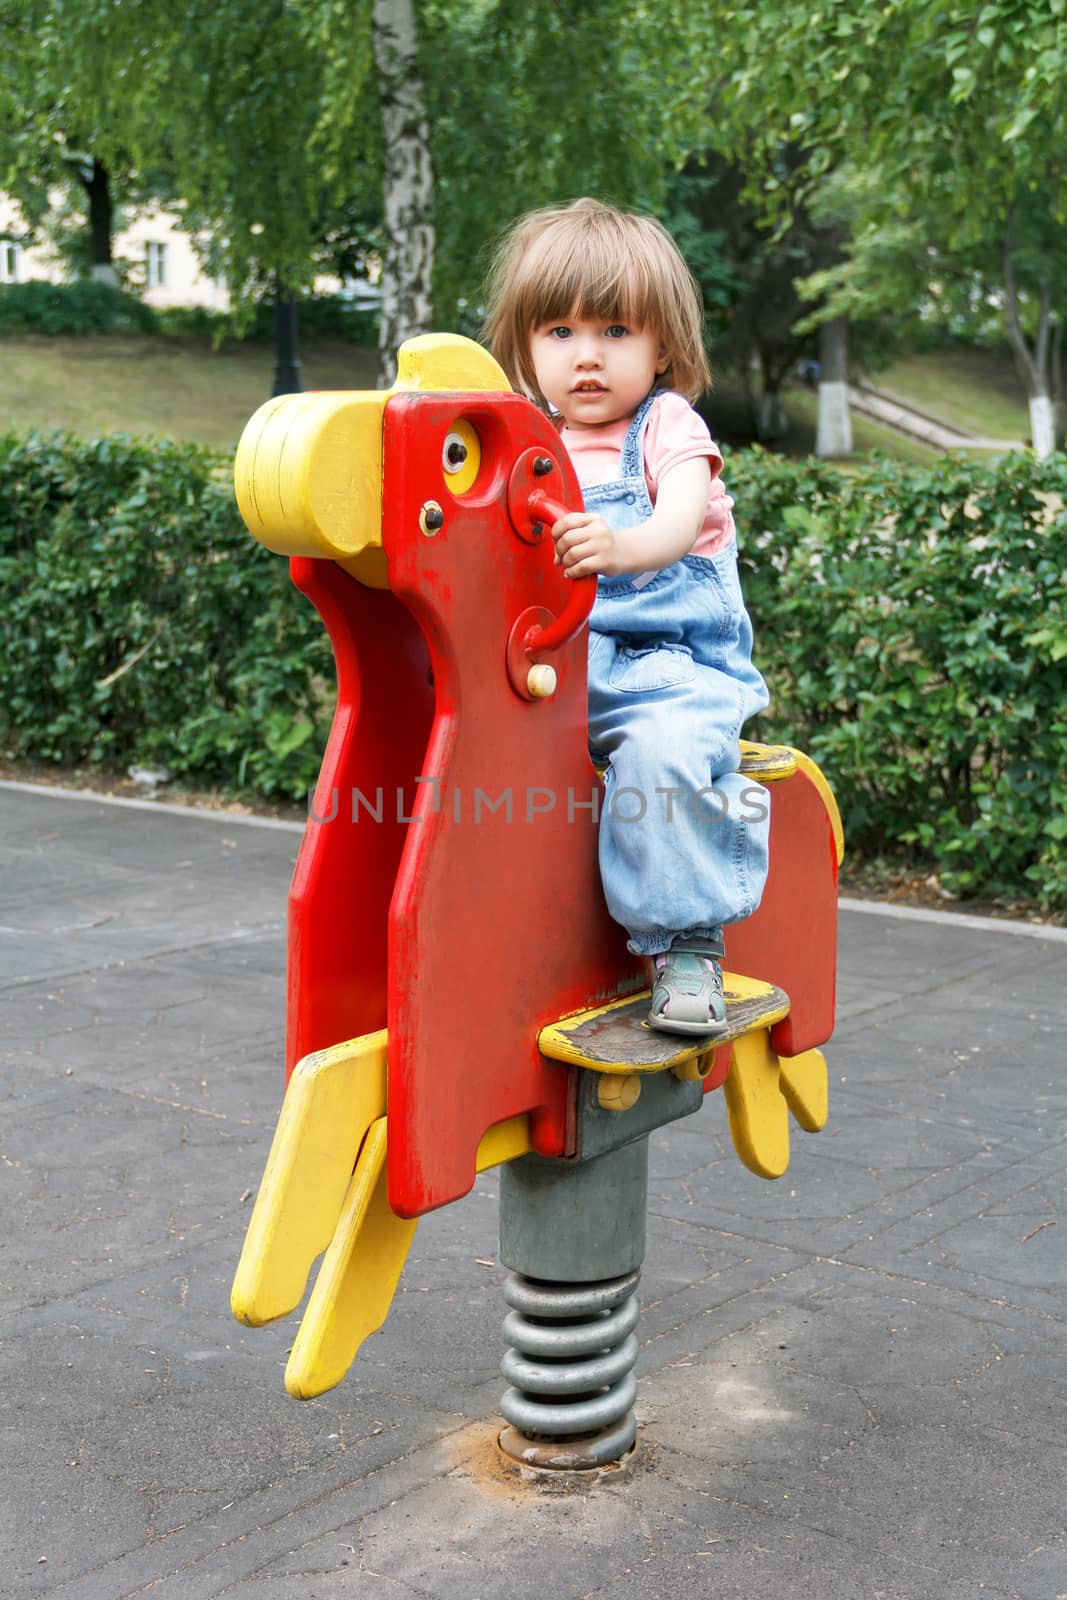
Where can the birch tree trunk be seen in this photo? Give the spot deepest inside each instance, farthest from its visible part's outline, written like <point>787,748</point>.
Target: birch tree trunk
<point>1033,362</point>
<point>834,433</point>
<point>1059,408</point>
<point>407,264</point>
<point>1042,425</point>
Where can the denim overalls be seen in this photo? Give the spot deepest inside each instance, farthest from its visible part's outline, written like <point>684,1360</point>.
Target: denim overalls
<point>683,836</point>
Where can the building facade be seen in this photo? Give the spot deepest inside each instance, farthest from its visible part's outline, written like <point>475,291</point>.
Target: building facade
<point>162,263</point>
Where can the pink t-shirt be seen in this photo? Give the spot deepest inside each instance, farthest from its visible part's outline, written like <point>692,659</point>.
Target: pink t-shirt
<point>673,433</point>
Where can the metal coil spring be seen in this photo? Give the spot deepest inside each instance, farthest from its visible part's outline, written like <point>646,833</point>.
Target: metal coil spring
<point>571,1362</point>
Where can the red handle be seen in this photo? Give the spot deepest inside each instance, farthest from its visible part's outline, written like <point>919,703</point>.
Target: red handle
<point>542,508</point>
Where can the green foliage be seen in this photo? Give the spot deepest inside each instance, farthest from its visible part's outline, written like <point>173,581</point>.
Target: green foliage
<point>749,272</point>
<point>536,105</point>
<point>141,623</point>
<point>262,126</point>
<point>213,105</point>
<point>86,307</point>
<point>912,624</point>
<point>935,132</point>
<point>78,308</point>
<point>196,320</point>
<point>326,316</point>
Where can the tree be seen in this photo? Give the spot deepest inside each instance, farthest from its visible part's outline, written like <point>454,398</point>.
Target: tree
<point>407,182</point>
<point>270,120</point>
<point>59,127</point>
<point>746,285</point>
<point>491,107</point>
<point>220,100</point>
<point>752,276</point>
<point>532,105</point>
<point>957,115</point>
<point>833,435</point>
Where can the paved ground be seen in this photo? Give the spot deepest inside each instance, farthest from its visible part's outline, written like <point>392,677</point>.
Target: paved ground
<point>852,1380</point>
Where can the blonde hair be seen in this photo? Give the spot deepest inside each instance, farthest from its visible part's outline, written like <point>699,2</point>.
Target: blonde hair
<point>592,261</point>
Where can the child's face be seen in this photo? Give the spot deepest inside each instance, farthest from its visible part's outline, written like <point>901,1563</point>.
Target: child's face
<point>595,372</point>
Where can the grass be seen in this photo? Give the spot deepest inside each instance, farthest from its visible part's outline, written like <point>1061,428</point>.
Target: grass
<point>182,387</point>
<point>868,436</point>
<point>978,390</point>
<point>175,385</point>
<point>974,389</point>
<point>728,418</point>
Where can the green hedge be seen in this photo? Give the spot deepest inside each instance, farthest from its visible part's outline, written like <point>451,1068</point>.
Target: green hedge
<point>327,316</point>
<point>912,624</point>
<point>140,622</point>
<point>80,308</point>
<point>88,307</point>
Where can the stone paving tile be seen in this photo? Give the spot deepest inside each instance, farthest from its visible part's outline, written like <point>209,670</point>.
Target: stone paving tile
<point>721,1547</point>
<point>1002,1238</point>
<point>693,1145</point>
<point>965,1088</point>
<point>926,955</point>
<point>857,997</point>
<point>867,1334</point>
<point>111,1179</point>
<point>169,883</point>
<point>340,1577</point>
<point>42,872</point>
<point>103,1030</point>
<point>48,827</point>
<point>851,1380</point>
<point>978,1506</point>
<point>436,1540</point>
<point>242,1083</point>
<point>117,928</point>
<point>286,1513</point>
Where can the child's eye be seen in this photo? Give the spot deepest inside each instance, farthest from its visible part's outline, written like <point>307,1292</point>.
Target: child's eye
<point>616,331</point>
<point>562,332</point>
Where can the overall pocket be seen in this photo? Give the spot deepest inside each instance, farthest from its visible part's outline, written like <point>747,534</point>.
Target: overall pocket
<point>662,666</point>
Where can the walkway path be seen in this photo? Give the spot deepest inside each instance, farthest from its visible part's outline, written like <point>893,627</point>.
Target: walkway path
<point>898,414</point>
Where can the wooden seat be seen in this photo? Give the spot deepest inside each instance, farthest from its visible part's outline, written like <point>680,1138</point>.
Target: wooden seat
<point>767,762</point>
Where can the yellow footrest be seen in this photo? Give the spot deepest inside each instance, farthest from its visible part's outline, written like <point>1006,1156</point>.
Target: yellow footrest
<point>617,1038</point>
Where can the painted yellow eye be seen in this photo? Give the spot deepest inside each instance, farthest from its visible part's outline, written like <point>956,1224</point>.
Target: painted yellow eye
<point>461,456</point>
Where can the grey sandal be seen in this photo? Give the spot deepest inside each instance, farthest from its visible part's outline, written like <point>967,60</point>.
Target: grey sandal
<point>687,996</point>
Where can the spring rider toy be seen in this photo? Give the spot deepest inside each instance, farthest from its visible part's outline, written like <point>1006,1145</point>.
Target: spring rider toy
<point>458,997</point>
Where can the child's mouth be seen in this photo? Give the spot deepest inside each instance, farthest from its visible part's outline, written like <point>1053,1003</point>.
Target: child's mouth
<point>588,388</point>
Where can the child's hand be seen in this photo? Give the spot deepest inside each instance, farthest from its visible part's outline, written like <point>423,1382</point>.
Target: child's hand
<point>585,545</point>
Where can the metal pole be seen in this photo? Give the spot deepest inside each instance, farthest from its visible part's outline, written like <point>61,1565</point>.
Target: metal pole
<point>288,372</point>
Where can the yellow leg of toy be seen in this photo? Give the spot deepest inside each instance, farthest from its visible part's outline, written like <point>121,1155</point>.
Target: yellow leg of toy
<point>805,1090</point>
<point>759,1122</point>
<point>333,1097</point>
<point>361,1269</point>
<point>357,1280</point>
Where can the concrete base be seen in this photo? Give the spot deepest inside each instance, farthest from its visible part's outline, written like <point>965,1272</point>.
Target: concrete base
<point>553,1472</point>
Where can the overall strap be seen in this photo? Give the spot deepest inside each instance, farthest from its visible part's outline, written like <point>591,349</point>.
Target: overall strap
<point>631,456</point>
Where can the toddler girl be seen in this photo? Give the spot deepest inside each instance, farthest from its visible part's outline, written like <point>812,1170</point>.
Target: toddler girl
<point>593,312</point>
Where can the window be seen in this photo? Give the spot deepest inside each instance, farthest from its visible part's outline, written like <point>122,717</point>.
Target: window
<point>155,264</point>
<point>10,261</point>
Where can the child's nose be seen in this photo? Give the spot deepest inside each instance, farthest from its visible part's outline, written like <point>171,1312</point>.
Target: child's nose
<point>587,352</point>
